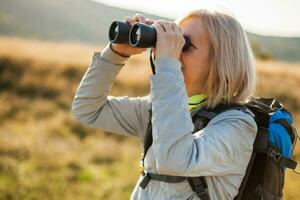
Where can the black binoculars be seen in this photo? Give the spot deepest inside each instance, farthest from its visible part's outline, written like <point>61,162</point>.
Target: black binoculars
<point>138,35</point>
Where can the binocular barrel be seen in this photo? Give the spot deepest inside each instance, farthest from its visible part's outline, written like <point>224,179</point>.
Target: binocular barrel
<point>138,35</point>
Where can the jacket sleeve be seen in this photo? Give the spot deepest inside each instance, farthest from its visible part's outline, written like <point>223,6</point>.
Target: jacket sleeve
<point>223,147</point>
<point>93,107</point>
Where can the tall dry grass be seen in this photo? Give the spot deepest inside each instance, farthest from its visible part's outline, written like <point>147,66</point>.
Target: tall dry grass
<point>46,154</point>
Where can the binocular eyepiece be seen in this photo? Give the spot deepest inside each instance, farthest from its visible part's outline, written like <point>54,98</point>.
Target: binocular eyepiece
<point>138,35</point>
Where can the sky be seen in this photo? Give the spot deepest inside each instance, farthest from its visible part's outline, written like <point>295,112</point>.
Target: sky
<point>264,17</point>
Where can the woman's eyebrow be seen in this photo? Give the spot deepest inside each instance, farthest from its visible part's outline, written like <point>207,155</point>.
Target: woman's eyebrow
<point>196,39</point>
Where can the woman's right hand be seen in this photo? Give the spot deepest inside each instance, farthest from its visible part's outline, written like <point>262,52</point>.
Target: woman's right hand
<point>125,49</point>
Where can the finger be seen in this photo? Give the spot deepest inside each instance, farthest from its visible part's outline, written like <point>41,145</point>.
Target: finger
<point>167,26</point>
<point>176,28</point>
<point>128,20</point>
<point>162,27</point>
<point>158,27</point>
<point>149,21</point>
<point>160,23</point>
<point>140,18</point>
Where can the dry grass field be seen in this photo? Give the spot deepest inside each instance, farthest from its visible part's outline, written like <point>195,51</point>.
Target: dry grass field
<point>45,154</point>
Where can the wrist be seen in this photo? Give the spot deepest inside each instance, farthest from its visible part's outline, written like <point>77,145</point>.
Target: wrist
<point>167,63</point>
<point>120,54</point>
<point>112,57</point>
<point>172,55</point>
<point>161,56</point>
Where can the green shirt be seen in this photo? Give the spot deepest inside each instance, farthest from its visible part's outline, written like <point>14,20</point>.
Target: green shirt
<point>197,100</point>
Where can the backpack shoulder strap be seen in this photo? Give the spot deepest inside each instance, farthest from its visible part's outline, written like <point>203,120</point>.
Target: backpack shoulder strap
<point>147,142</point>
<point>202,116</point>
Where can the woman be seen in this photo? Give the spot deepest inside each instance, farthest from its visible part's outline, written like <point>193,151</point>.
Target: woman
<point>218,67</point>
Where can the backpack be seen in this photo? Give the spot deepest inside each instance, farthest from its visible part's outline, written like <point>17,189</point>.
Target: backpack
<point>272,149</point>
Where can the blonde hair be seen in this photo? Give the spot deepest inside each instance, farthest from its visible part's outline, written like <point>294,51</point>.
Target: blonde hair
<point>232,62</point>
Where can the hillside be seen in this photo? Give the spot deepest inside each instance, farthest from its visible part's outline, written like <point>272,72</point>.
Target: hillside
<point>65,20</point>
<point>285,49</point>
<point>88,21</point>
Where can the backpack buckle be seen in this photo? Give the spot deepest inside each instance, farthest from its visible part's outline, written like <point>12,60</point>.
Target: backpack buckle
<point>274,154</point>
<point>145,181</point>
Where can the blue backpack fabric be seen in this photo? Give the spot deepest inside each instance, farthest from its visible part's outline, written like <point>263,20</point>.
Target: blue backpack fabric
<point>278,135</point>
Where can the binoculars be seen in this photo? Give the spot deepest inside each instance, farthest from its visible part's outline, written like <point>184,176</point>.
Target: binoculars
<point>138,35</point>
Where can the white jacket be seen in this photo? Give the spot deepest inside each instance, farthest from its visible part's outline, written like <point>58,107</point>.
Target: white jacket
<point>221,151</point>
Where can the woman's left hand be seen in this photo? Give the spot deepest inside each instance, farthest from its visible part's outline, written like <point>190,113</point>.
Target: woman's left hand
<point>170,40</point>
